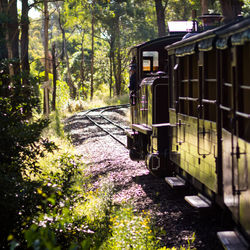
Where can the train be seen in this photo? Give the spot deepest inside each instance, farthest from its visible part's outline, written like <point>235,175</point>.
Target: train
<point>190,116</point>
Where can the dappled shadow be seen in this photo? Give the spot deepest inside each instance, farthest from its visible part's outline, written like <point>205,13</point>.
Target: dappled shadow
<point>133,183</point>
<point>180,216</point>
<point>77,124</point>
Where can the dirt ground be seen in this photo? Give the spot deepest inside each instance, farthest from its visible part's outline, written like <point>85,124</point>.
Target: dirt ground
<point>134,184</point>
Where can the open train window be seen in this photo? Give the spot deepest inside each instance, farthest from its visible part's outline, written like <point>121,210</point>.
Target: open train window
<point>150,61</point>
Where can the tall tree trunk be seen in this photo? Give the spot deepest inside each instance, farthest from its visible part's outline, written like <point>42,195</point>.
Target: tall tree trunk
<point>230,9</point>
<point>160,14</point>
<point>114,63</point>
<point>3,28</point>
<point>25,42</point>
<point>13,34</point>
<point>46,52</point>
<point>4,90</point>
<point>117,57</point>
<point>92,50</point>
<point>204,7</point>
<point>54,76</point>
<point>110,74</point>
<point>119,66</point>
<point>82,73</point>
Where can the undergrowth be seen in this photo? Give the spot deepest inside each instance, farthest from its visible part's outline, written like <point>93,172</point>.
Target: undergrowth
<point>68,214</point>
<point>73,106</point>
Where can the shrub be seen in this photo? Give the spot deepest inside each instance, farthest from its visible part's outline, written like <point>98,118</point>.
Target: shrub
<point>20,147</point>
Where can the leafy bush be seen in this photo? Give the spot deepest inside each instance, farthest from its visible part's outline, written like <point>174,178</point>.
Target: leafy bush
<point>20,147</point>
<point>56,224</point>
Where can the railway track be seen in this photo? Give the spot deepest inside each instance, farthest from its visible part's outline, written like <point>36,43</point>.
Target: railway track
<point>98,118</point>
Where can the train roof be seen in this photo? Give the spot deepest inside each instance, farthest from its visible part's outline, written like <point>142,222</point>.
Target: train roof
<point>238,31</point>
<point>158,40</point>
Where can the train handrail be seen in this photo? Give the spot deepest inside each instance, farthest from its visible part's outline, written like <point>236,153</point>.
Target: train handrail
<point>235,151</point>
<point>241,114</point>
<point>179,124</point>
<point>200,109</point>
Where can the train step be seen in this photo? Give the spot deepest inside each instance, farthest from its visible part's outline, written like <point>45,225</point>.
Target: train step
<point>175,182</point>
<point>232,240</point>
<point>198,201</point>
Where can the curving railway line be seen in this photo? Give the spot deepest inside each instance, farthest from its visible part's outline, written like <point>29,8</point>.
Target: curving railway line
<point>98,118</point>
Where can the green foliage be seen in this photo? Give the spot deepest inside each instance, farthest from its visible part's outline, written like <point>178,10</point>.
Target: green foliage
<point>61,212</point>
<point>20,147</point>
<point>21,144</point>
<point>246,8</point>
<point>130,231</point>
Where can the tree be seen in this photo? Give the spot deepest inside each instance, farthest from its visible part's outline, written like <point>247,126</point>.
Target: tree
<point>4,79</point>
<point>46,57</point>
<point>231,9</point>
<point>92,50</point>
<point>54,76</point>
<point>25,41</point>
<point>160,13</point>
<point>12,38</point>
<point>181,9</point>
<point>204,7</point>
<point>65,52</point>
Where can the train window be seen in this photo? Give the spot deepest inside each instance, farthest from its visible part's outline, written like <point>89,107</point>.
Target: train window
<point>150,61</point>
<point>243,82</point>
<point>226,88</point>
<point>209,86</point>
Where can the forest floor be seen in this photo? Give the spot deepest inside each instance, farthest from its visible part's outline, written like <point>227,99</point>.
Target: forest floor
<point>134,184</point>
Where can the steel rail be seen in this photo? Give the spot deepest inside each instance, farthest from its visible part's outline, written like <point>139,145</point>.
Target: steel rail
<point>103,129</point>
<point>108,109</point>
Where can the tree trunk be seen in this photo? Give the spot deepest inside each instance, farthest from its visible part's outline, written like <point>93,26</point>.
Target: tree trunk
<point>110,74</point>
<point>115,74</point>
<point>119,63</point>
<point>92,50</point>
<point>230,9</point>
<point>13,35</point>
<point>3,13</point>
<point>4,90</point>
<point>54,76</point>
<point>46,52</point>
<point>160,14</point>
<point>204,7</point>
<point>117,57</point>
<point>82,73</point>
<point>25,42</point>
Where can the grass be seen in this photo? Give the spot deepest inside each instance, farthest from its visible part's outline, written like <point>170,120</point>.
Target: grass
<point>70,216</point>
<point>80,105</point>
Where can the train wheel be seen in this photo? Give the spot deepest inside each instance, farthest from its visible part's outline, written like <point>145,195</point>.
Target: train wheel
<point>156,165</point>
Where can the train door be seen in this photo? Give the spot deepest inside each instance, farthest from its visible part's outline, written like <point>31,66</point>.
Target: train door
<point>227,107</point>
<point>235,112</point>
<point>241,142</point>
<point>144,104</point>
<point>240,132</point>
<point>206,126</point>
<point>206,114</point>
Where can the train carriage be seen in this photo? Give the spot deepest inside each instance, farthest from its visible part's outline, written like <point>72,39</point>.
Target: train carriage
<point>210,112</point>
<point>233,48</point>
<point>193,121</point>
<point>149,103</point>
<point>192,112</point>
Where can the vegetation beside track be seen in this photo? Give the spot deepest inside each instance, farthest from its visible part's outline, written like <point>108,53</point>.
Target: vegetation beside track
<point>47,202</point>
